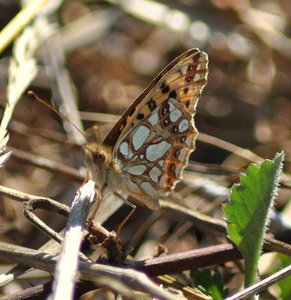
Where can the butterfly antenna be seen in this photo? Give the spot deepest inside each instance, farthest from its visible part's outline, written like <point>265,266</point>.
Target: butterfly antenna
<point>32,94</point>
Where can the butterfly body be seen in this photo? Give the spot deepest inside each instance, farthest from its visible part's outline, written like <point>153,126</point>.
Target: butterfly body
<point>105,171</point>
<point>147,150</point>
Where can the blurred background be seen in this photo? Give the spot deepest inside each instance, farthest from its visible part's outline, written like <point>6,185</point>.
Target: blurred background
<point>101,57</point>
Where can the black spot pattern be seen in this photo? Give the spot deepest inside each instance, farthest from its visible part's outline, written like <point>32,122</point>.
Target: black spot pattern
<point>164,110</point>
<point>175,129</point>
<point>140,116</point>
<point>177,153</point>
<point>173,94</point>
<point>166,122</point>
<point>172,168</point>
<point>182,139</point>
<point>163,85</point>
<point>186,90</point>
<point>164,88</point>
<point>152,105</point>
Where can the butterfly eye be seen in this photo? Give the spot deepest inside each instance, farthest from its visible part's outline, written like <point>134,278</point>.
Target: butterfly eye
<point>99,158</point>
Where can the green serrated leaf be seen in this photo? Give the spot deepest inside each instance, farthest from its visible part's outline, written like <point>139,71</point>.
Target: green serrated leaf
<point>249,210</point>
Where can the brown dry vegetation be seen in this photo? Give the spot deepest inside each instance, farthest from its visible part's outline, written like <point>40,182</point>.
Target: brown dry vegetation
<point>105,61</point>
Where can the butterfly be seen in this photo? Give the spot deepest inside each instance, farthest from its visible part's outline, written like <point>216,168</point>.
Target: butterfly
<point>146,151</point>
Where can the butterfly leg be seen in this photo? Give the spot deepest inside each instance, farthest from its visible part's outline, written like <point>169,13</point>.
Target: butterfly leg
<point>120,226</point>
<point>125,200</point>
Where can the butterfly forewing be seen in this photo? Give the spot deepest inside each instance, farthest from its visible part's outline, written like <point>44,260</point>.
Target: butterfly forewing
<point>157,133</point>
<point>115,132</point>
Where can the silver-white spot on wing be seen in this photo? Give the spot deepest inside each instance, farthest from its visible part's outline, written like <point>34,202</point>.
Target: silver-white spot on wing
<point>139,136</point>
<point>184,69</point>
<point>154,119</point>
<point>184,125</point>
<point>196,77</point>
<point>154,174</point>
<point>125,151</point>
<point>175,115</point>
<point>137,170</point>
<point>171,105</point>
<point>156,151</point>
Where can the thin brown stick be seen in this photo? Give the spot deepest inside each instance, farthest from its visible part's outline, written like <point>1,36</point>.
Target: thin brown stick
<point>205,222</point>
<point>128,277</point>
<point>187,260</point>
<point>19,196</point>
<point>33,202</point>
<point>47,164</point>
<point>241,152</point>
<point>244,153</point>
<point>199,219</point>
<point>49,135</point>
<point>100,117</point>
<point>48,204</point>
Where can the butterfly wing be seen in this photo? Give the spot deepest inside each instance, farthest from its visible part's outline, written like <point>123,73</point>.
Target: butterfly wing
<point>155,136</point>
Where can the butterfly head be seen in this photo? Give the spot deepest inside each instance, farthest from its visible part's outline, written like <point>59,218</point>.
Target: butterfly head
<point>99,160</point>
